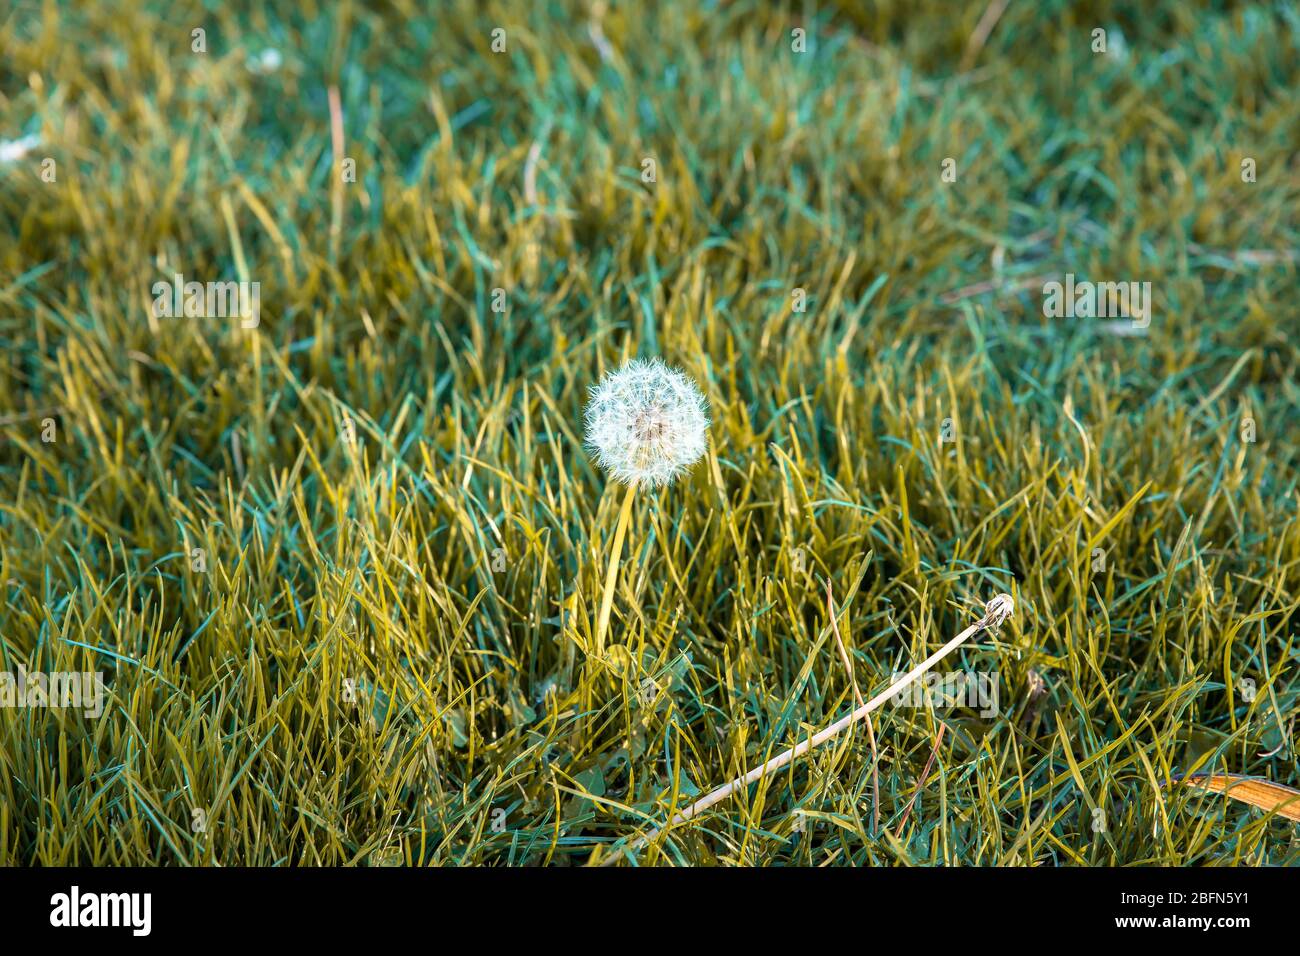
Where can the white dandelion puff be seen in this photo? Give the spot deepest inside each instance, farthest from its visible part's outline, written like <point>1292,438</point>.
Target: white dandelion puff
<point>13,150</point>
<point>646,423</point>
<point>264,63</point>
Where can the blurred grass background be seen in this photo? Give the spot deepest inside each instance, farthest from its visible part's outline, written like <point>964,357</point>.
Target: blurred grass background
<point>385,659</point>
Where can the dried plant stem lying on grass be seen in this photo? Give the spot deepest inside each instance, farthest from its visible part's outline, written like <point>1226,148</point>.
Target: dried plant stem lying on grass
<point>995,612</point>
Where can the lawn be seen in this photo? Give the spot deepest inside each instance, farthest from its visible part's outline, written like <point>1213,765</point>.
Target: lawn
<point>338,559</point>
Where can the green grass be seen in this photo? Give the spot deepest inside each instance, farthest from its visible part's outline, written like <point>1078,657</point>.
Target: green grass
<point>387,658</point>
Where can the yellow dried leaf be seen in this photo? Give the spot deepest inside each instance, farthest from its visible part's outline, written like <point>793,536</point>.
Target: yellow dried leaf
<point>1264,794</point>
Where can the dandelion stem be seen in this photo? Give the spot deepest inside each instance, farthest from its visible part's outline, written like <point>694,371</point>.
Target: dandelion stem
<point>611,576</point>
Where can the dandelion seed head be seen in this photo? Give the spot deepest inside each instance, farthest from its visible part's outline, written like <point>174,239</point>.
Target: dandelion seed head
<point>13,150</point>
<point>646,423</point>
<point>999,609</point>
<point>265,62</point>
